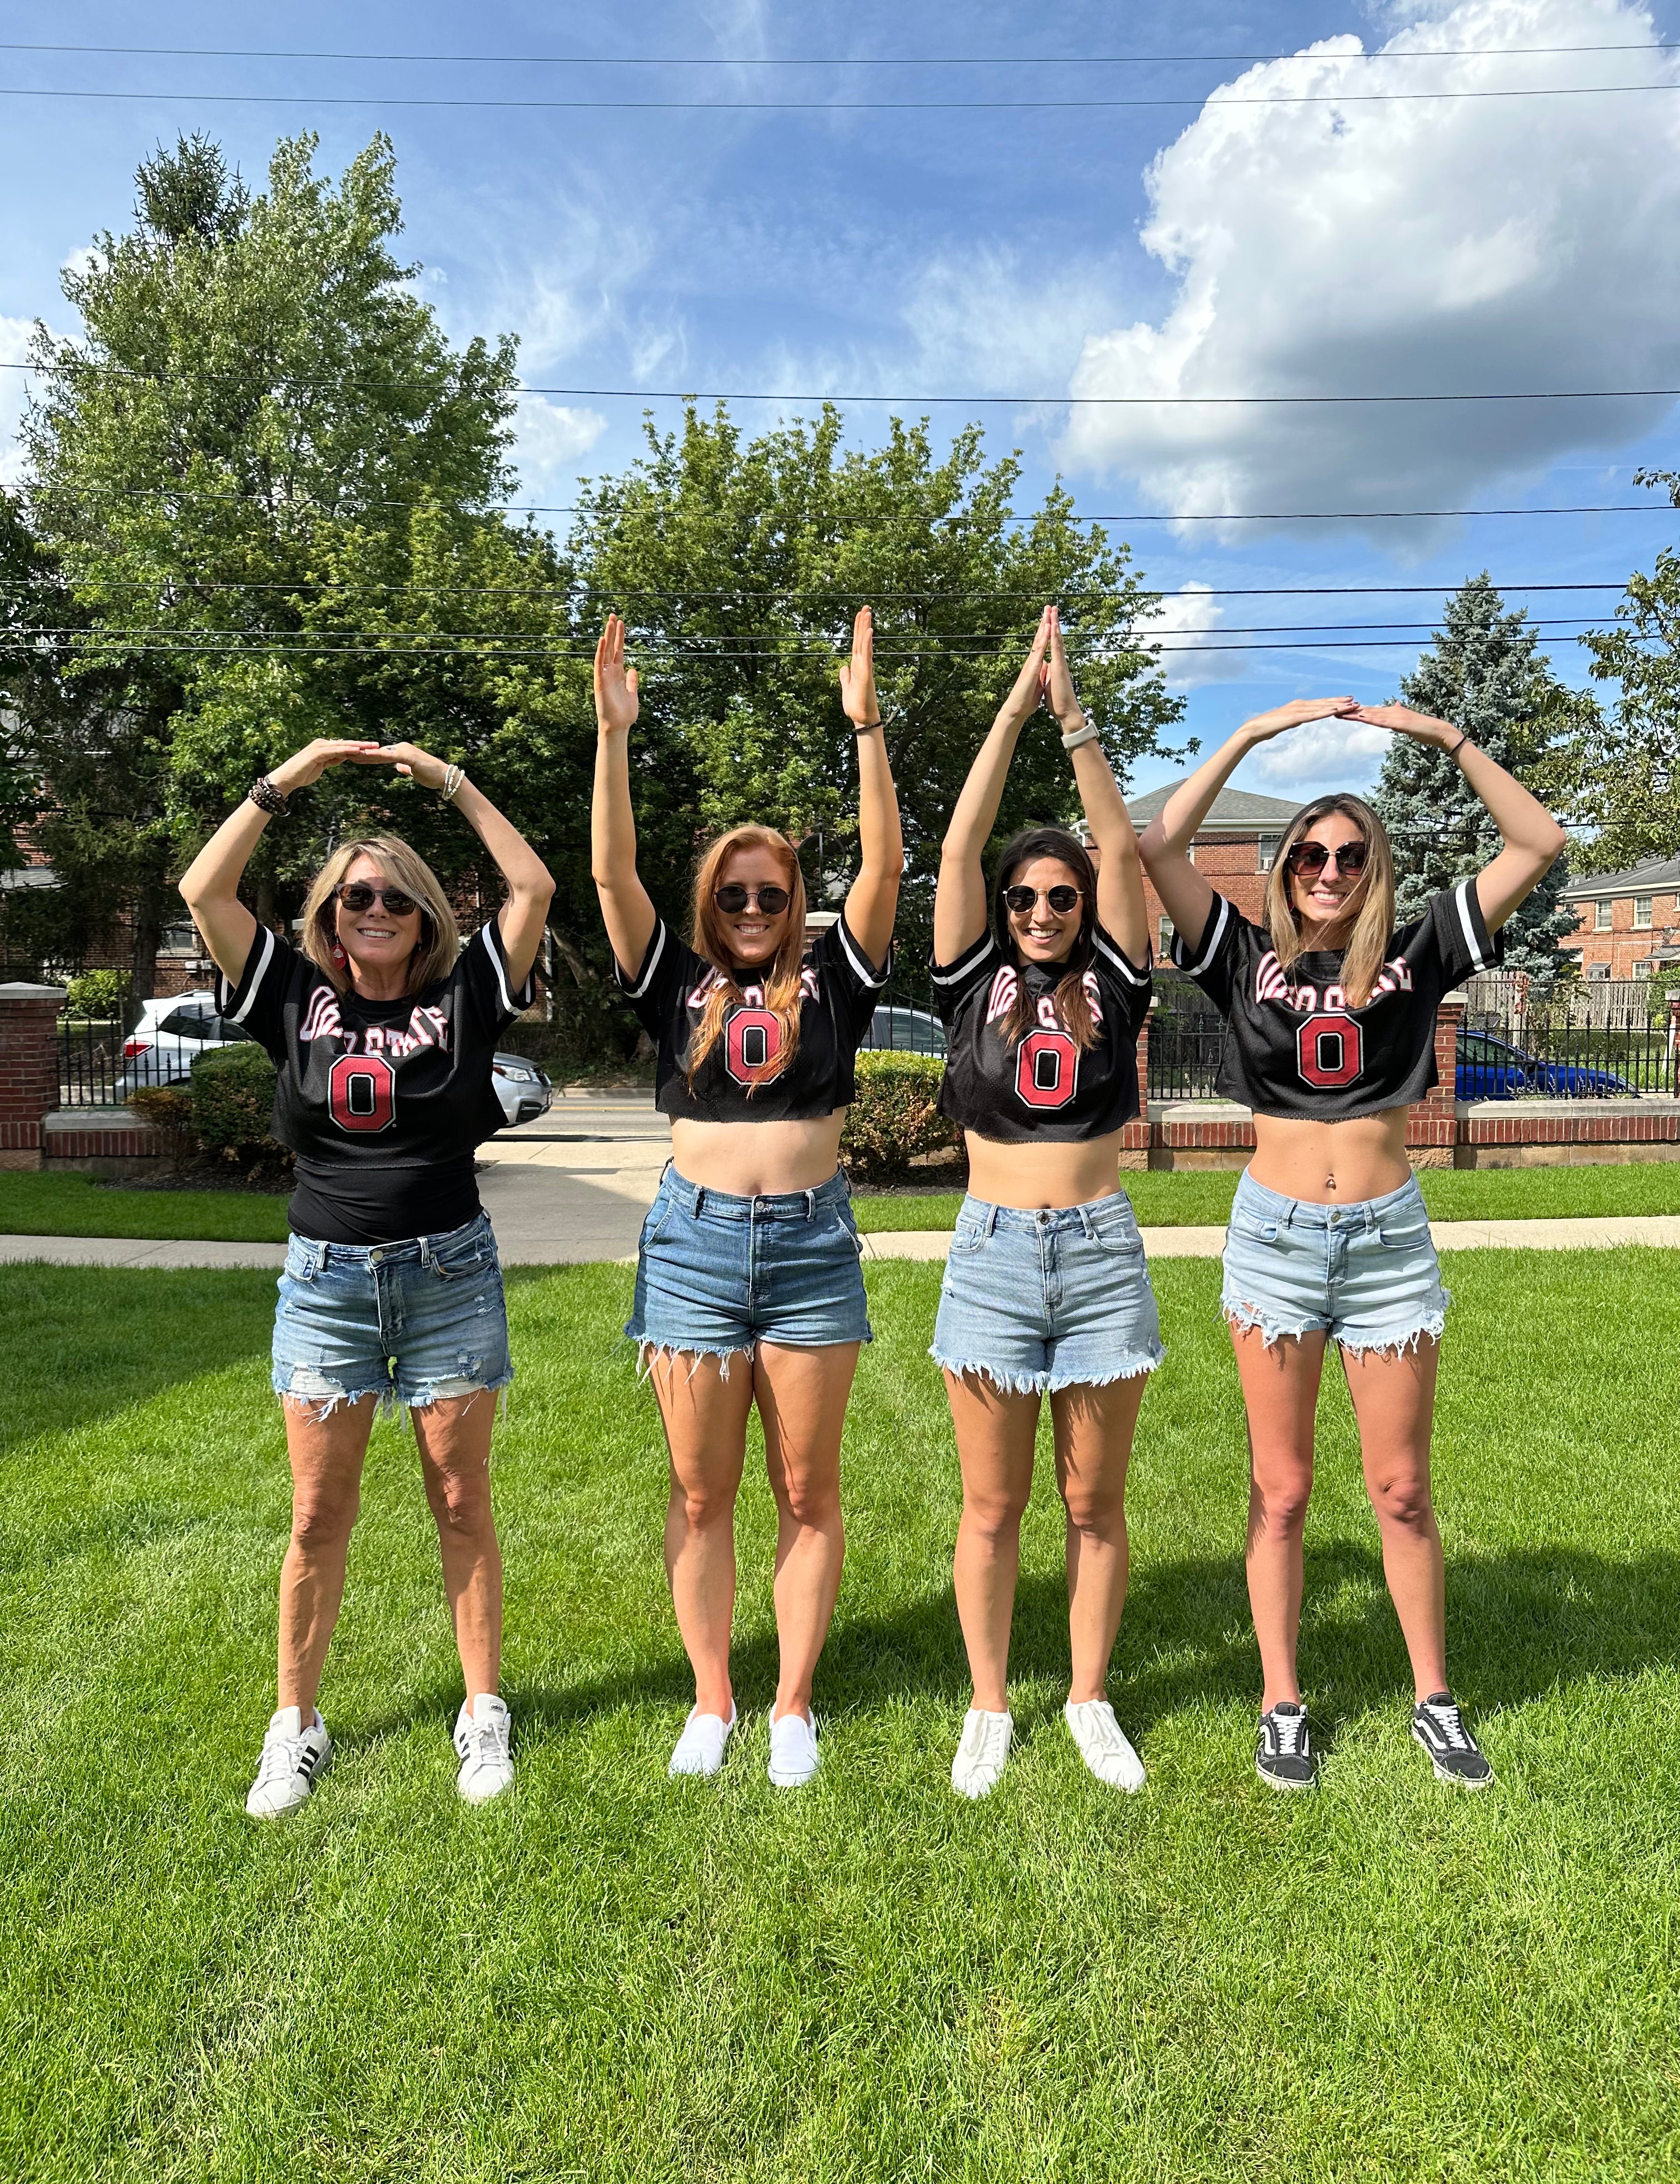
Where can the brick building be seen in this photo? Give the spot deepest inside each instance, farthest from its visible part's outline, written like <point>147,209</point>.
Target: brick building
<point>1235,846</point>
<point>1628,923</point>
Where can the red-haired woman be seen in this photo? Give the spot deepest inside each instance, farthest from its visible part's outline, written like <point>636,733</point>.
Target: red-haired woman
<point>749,1257</point>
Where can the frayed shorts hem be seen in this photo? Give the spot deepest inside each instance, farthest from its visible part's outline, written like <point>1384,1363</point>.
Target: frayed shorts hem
<point>1245,1317</point>
<point>1049,1382</point>
<point>650,1352</point>
<point>318,1395</point>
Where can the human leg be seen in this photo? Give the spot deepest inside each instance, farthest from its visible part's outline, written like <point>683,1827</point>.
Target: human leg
<point>704,1401</point>
<point>326,1448</point>
<point>1280,1391</point>
<point>802,1395</point>
<point>454,1435</point>
<point>1094,1427</point>
<point>995,1432</point>
<point>1394,1400</point>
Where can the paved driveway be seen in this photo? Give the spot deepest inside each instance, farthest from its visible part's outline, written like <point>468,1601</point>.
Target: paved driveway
<point>576,1184</point>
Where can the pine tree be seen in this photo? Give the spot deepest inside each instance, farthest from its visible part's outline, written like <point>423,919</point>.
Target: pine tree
<point>1483,673</point>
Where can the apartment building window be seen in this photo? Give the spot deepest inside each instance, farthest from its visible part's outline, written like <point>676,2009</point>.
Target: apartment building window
<point>1642,913</point>
<point>1268,851</point>
<point>1601,912</point>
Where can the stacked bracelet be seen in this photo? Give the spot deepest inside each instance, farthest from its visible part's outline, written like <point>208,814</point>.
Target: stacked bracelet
<point>1087,733</point>
<point>454,775</point>
<point>267,798</point>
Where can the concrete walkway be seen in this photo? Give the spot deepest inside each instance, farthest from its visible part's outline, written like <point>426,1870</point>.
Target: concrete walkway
<point>1659,1229</point>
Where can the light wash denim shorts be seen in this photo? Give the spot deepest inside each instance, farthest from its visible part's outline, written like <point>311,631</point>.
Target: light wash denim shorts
<point>1037,1301</point>
<point>411,1323</point>
<point>1365,1275</point>
<point>716,1274</point>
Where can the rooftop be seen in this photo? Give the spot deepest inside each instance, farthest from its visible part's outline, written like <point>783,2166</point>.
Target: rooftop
<point>1234,810</point>
<point>1656,876</point>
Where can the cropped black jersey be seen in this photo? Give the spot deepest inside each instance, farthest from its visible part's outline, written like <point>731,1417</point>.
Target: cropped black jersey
<point>383,1102</point>
<point>1294,1046</point>
<point>1044,1087</point>
<point>839,989</point>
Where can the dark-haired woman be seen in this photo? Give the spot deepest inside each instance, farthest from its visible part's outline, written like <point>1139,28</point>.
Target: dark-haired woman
<point>1332,1031</point>
<point>1046,1291</point>
<point>748,1285</point>
<point>383,1029</point>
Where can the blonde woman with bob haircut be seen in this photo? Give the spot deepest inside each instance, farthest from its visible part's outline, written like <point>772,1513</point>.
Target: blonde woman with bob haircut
<point>1330,1032</point>
<point>383,1030</point>
<point>748,1283</point>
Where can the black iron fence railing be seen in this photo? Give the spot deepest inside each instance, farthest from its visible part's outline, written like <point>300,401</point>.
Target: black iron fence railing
<point>905,1020</point>
<point>92,1066</point>
<point>1588,1041</point>
<point>1187,1038</point>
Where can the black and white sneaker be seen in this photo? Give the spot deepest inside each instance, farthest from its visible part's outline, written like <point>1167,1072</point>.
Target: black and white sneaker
<point>1284,1756</point>
<point>294,1759</point>
<point>1456,1756</point>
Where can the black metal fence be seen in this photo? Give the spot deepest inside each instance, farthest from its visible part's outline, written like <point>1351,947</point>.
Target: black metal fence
<point>91,1062</point>
<point>1187,1038</point>
<point>1606,1038</point>
<point>905,1020</point>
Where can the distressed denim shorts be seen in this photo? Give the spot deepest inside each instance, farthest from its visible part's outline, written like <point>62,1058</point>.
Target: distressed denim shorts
<point>1365,1275</point>
<point>1037,1301</point>
<point>410,1323</point>
<point>716,1275</point>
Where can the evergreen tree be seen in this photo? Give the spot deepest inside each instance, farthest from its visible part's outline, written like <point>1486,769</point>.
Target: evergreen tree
<point>1485,674</point>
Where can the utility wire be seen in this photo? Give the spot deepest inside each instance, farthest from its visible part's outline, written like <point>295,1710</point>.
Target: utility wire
<point>831,60</point>
<point>864,595</point>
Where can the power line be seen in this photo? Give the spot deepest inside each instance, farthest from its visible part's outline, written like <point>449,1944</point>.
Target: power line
<point>866,595</point>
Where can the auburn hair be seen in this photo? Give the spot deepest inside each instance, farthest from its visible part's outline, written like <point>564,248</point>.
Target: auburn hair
<point>780,978</point>
<point>1072,1002</point>
<point>440,937</point>
<point>1371,906</point>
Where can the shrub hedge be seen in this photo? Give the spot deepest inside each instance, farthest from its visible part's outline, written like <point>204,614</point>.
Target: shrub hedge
<point>232,1101</point>
<point>894,1117</point>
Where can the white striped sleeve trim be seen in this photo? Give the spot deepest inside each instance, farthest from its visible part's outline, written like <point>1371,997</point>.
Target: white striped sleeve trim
<point>636,992</point>
<point>1213,939</point>
<point>964,964</point>
<point>256,977</point>
<point>485,936</point>
<point>1105,947</point>
<point>859,961</point>
<point>1466,918</point>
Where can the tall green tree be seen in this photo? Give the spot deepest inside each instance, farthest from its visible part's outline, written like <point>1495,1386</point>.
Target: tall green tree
<point>1485,673</point>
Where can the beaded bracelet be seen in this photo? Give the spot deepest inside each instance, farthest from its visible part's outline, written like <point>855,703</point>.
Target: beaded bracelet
<point>267,798</point>
<point>454,775</point>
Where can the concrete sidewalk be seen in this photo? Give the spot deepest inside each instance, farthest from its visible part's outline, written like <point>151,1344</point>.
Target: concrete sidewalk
<point>605,1238</point>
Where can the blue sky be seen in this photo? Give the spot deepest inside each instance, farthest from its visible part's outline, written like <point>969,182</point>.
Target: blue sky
<point>1023,246</point>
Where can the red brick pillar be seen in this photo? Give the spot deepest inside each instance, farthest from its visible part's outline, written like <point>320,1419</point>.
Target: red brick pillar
<point>1432,1130</point>
<point>29,1070</point>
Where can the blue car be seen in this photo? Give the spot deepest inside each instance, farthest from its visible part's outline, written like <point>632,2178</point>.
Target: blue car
<point>1489,1069</point>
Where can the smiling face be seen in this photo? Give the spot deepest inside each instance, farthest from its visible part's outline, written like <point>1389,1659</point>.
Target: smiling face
<point>375,941</point>
<point>1042,934</point>
<point>752,936</point>
<point>1330,896</point>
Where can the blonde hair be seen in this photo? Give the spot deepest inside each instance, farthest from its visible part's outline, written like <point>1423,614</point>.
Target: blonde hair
<point>1371,903</point>
<point>781,975</point>
<point>440,937</point>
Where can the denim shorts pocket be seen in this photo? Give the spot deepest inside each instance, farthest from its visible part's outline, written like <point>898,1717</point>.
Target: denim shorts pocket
<point>968,1235</point>
<point>302,1264</point>
<point>657,1216</point>
<point>1404,1231</point>
<point>466,1260</point>
<point>849,1227</point>
<point>1251,1228</point>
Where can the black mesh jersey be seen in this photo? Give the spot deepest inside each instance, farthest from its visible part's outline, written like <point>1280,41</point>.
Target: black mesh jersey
<point>1044,1087</point>
<point>669,993</point>
<point>383,1102</point>
<point>1295,1048</point>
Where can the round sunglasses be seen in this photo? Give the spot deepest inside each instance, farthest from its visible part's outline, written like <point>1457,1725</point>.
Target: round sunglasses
<point>1061,900</point>
<point>1307,860</point>
<point>357,895</point>
<point>732,898</point>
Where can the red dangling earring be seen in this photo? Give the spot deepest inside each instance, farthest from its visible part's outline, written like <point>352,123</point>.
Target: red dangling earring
<point>340,958</point>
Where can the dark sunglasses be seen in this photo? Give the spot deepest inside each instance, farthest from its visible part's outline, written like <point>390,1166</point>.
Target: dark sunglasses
<point>357,895</point>
<point>733,897</point>
<point>1061,900</point>
<point>1307,860</point>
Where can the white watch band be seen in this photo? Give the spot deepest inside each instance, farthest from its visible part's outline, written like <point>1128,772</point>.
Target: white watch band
<point>1086,734</point>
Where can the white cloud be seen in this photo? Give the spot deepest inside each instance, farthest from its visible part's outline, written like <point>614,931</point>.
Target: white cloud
<point>15,337</point>
<point>1190,616</point>
<point>548,439</point>
<point>1320,751</point>
<point>1478,243</point>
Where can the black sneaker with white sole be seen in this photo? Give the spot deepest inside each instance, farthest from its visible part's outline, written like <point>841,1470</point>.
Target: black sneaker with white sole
<point>1456,1756</point>
<point>1284,1756</point>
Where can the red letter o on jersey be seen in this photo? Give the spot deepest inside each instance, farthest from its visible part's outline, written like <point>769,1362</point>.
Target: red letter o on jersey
<point>361,1092</point>
<point>752,1039</point>
<point>1329,1052</point>
<point>1047,1069</point>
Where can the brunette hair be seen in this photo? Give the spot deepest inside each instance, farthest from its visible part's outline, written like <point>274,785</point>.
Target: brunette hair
<point>440,937</point>
<point>780,977</point>
<point>1072,1003</point>
<point>1371,904</point>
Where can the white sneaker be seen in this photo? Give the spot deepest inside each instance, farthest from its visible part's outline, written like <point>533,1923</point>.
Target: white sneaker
<point>982,1754</point>
<point>699,1749</point>
<point>1103,1745</point>
<point>482,1734</point>
<point>294,1759</point>
<point>793,1757</point>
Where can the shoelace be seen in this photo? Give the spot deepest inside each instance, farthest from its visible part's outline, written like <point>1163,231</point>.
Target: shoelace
<point>484,1740</point>
<point>282,1756</point>
<point>1103,1730</point>
<point>1286,1728</point>
<point>1449,1721</point>
<point>985,1738</point>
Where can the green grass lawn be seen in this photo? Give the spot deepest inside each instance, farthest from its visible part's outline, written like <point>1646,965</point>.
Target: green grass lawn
<point>75,1206</point>
<point>609,1977</point>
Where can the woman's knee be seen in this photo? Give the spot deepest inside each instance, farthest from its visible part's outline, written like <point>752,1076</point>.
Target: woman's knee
<point>459,1499</point>
<point>704,1503</point>
<point>1402,1498</point>
<point>993,1514</point>
<point>1097,1508</point>
<point>1279,1490</point>
<point>323,1517</point>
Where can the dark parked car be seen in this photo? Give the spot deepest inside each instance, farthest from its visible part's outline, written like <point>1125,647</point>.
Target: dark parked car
<point>1490,1069</point>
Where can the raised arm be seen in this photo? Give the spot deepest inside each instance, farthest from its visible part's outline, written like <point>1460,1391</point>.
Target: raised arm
<point>1533,839</point>
<point>626,907</point>
<point>530,885</point>
<point>872,899</point>
<point>210,885</point>
<point>1165,844</point>
<point>959,900</point>
<point>1120,872</point>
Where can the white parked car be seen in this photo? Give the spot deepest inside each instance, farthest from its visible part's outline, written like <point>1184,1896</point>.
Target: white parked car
<point>520,1086</point>
<point>173,1031</point>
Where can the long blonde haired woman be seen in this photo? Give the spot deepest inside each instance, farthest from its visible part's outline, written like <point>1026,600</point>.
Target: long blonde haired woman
<point>383,1029</point>
<point>748,1285</point>
<point>1332,1020</point>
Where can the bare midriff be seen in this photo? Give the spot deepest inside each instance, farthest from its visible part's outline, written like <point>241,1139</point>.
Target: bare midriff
<point>758,1160</point>
<point>1332,1163</point>
<point>1037,1178</point>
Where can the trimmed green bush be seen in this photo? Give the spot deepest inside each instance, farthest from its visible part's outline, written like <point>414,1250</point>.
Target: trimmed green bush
<point>169,1109</point>
<point>232,1100</point>
<point>97,994</point>
<point>895,1116</point>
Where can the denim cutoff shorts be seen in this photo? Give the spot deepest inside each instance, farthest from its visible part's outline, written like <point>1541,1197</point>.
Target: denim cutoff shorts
<point>717,1275</point>
<point>411,1323</point>
<point>1037,1301</point>
<point>1365,1275</point>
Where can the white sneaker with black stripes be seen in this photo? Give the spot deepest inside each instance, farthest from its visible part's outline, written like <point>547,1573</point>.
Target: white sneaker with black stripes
<point>483,1741</point>
<point>294,1759</point>
<point>1438,1726</point>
